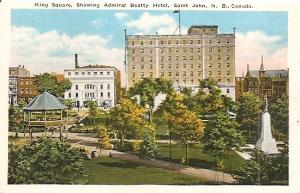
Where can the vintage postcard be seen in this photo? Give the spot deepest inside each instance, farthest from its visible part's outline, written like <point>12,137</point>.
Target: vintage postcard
<point>149,96</point>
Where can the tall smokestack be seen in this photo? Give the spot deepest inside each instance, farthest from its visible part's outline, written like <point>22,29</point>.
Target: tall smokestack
<point>76,61</point>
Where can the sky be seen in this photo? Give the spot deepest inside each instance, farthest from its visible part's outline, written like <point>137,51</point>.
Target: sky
<point>46,40</point>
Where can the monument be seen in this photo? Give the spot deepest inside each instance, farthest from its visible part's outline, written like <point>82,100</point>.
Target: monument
<point>266,143</point>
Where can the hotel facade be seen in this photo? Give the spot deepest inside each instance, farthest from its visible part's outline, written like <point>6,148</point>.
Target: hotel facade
<point>186,60</point>
<point>92,82</point>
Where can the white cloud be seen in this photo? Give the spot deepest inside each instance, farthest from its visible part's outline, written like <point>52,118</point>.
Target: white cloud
<point>54,52</point>
<point>98,23</point>
<point>251,45</point>
<point>121,15</point>
<point>150,24</point>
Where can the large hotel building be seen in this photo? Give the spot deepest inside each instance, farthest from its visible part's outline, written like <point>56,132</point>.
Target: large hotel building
<point>185,59</point>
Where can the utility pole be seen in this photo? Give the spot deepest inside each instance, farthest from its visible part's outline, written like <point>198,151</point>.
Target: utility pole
<point>179,20</point>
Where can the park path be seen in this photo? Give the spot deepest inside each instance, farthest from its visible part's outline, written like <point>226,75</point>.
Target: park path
<point>88,142</point>
<point>210,175</point>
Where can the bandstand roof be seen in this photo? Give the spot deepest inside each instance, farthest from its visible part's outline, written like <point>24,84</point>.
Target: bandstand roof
<point>44,102</point>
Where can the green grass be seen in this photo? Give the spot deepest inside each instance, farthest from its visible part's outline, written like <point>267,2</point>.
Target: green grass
<point>112,171</point>
<point>198,158</point>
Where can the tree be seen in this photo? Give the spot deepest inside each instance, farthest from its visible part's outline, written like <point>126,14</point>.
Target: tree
<point>279,111</point>
<point>221,135</point>
<point>248,113</point>
<point>186,127</point>
<point>147,90</point>
<point>48,82</point>
<point>103,138</point>
<point>128,118</point>
<point>148,149</point>
<point>264,169</point>
<point>45,161</point>
<point>16,116</point>
<point>93,110</point>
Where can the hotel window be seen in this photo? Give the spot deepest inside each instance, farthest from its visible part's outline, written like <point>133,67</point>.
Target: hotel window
<point>219,50</point>
<point>76,73</point>
<point>210,57</point>
<point>162,66</point>
<point>177,81</point>
<point>161,42</point>
<point>132,43</point>
<point>228,41</point>
<point>192,65</point>
<point>150,66</point>
<point>176,57</point>
<point>199,66</point>
<point>150,59</point>
<point>150,42</point>
<point>210,41</point>
<point>210,49</point>
<point>142,74</point>
<point>142,42</point>
<point>82,73</point>
<point>177,73</point>
<point>170,74</point>
<point>184,81</point>
<point>101,86</point>
<point>192,81</point>
<point>183,41</point>
<point>132,58</point>
<point>184,65</point>
<point>184,57</point>
<point>228,80</point>
<point>69,73</point>
<point>169,65</point>
<point>162,74</point>
<point>191,73</point>
<point>192,58</point>
<point>142,66</point>
<point>228,65</point>
<point>191,41</point>
<point>199,73</point>
<point>169,58</point>
<point>142,51</point>
<point>89,73</point>
<point>219,57</point>
<point>198,50</point>
<point>132,51</point>
<point>101,73</point>
<point>228,73</point>
<point>151,74</point>
<point>162,58</point>
<point>108,86</point>
<point>70,95</point>
<point>209,72</point>
<point>184,50</point>
<point>108,73</point>
<point>228,57</point>
<point>101,94</point>
<point>176,50</point>
<point>169,41</point>
<point>133,66</point>
<point>76,95</point>
<point>184,73</point>
<point>176,42</point>
<point>228,90</point>
<point>176,65</point>
<point>76,87</point>
<point>199,57</point>
<point>219,80</point>
<point>142,59</point>
<point>199,41</point>
<point>219,65</point>
<point>219,41</point>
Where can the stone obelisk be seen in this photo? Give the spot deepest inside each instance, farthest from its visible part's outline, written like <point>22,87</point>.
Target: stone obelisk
<point>266,143</point>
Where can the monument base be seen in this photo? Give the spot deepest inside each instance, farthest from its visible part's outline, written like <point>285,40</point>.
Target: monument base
<point>267,146</point>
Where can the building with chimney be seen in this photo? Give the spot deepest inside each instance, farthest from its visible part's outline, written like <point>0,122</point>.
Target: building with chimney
<point>14,74</point>
<point>186,60</point>
<point>92,82</point>
<point>27,89</point>
<point>270,83</point>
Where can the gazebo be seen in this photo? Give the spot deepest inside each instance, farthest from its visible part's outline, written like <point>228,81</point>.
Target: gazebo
<point>36,112</point>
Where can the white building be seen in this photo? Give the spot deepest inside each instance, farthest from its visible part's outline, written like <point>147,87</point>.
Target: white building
<point>92,82</point>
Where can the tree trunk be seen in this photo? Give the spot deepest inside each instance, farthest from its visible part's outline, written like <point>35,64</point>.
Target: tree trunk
<point>121,139</point>
<point>186,153</point>
<point>170,146</point>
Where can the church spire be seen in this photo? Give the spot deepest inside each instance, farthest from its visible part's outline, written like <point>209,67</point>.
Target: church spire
<point>262,64</point>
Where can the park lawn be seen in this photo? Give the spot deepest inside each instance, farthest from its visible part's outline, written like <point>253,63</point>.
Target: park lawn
<point>112,171</point>
<point>198,158</point>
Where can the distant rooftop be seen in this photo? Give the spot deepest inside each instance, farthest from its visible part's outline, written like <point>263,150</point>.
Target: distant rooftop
<point>270,73</point>
<point>203,26</point>
<point>96,66</point>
